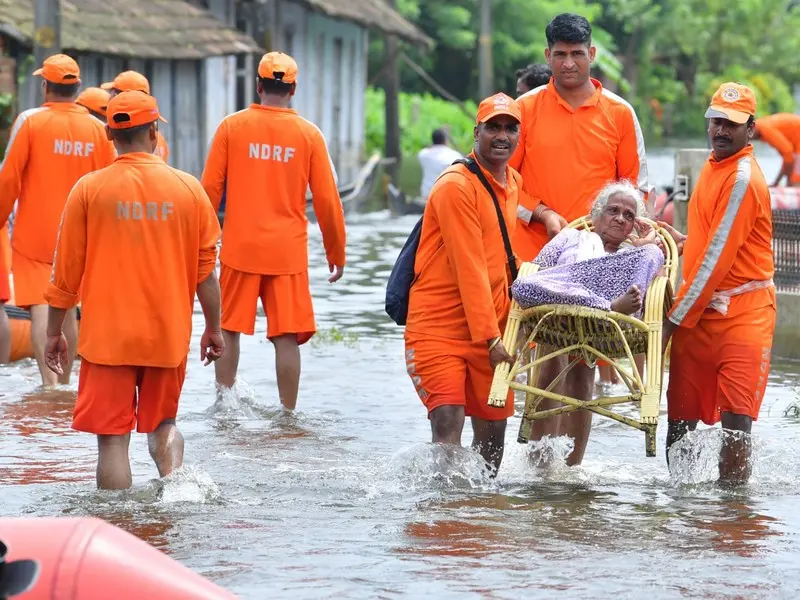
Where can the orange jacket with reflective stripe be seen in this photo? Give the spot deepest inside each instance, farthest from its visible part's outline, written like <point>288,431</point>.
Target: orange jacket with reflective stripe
<point>729,240</point>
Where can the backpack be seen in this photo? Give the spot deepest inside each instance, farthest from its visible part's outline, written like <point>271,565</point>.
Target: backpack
<point>402,277</point>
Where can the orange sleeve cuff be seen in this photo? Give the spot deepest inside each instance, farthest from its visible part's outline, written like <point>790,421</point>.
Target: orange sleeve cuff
<point>58,298</point>
<point>206,264</point>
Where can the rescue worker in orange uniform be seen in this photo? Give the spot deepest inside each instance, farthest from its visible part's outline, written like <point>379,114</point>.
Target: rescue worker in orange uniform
<point>782,132</point>
<point>575,138</point>
<point>50,148</point>
<point>139,239</point>
<point>723,318</point>
<point>459,301</point>
<point>264,158</point>
<point>95,100</point>
<point>131,81</point>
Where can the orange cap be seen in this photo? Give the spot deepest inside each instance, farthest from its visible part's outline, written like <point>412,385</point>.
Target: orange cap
<point>94,99</point>
<point>132,109</point>
<point>499,104</point>
<point>278,66</point>
<point>734,102</point>
<point>128,81</point>
<point>59,68</point>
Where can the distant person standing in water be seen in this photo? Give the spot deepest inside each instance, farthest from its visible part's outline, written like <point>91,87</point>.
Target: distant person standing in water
<point>531,77</point>
<point>264,159</point>
<point>139,239</point>
<point>434,159</point>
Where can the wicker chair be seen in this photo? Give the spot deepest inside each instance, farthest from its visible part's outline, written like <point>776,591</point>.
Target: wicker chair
<point>590,334</point>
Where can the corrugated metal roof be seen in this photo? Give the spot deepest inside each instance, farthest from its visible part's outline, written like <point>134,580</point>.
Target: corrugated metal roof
<point>147,29</point>
<point>375,14</point>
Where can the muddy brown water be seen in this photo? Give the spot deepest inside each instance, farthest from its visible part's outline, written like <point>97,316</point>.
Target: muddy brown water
<point>345,498</point>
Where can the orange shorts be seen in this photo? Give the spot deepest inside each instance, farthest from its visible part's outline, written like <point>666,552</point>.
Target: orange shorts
<point>5,288</point>
<point>21,345</point>
<point>720,365</point>
<point>453,373</point>
<point>31,279</point>
<point>286,300</point>
<point>113,399</point>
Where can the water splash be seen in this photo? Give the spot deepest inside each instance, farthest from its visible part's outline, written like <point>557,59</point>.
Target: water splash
<point>239,402</point>
<point>188,484</point>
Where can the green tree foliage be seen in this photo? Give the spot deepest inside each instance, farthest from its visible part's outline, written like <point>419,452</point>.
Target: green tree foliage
<point>420,115</point>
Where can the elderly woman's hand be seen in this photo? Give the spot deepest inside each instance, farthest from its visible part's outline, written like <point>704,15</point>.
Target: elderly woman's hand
<point>646,235</point>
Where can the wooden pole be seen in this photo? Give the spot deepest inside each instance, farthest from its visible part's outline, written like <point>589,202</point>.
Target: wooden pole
<point>46,34</point>
<point>485,64</point>
<point>392,103</point>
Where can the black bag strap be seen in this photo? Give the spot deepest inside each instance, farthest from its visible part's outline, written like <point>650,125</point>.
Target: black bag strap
<point>476,170</point>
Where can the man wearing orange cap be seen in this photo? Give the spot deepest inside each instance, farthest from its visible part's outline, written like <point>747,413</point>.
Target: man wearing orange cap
<point>782,132</point>
<point>264,158</point>
<point>139,239</point>
<point>130,81</point>
<point>49,149</point>
<point>95,100</point>
<point>459,301</point>
<point>723,318</point>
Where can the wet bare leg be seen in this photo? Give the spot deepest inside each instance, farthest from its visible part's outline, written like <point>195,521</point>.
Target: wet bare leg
<point>227,365</point>
<point>113,464</point>
<point>166,447</point>
<point>608,375</point>
<point>579,384</point>
<point>629,303</point>
<point>70,329</point>
<point>734,460</point>
<point>547,374</point>
<point>287,368</point>
<point>447,423</point>
<point>5,335</point>
<point>489,441</point>
<point>38,340</point>
<point>676,429</point>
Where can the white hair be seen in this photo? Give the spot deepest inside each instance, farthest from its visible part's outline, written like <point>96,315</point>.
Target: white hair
<point>624,187</point>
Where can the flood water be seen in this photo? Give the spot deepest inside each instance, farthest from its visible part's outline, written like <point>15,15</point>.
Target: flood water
<point>345,498</point>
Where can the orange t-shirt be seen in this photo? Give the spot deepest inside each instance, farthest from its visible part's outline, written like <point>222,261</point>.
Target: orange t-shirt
<point>49,149</point>
<point>566,156</point>
<point>729,240</point>
<point>136,239</point>
<point>782,132</point>
<point>461,289</point>
<point>264,159</point>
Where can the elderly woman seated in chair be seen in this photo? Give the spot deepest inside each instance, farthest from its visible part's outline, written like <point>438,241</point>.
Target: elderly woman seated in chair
<point>609,268</point>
